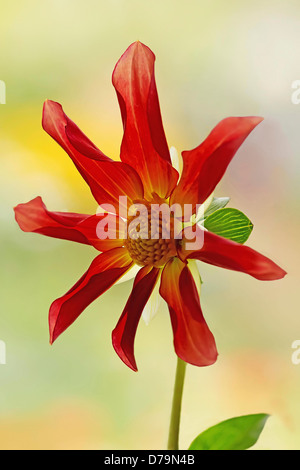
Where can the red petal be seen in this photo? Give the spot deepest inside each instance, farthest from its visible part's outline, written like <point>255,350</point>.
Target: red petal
<point>144,145</point>
<point>107,179</point>
<point>33,216</point>
<point>124,333</point>
<point>104,271</point>
<point>82,143</point>
<point>228,254</point>
<point>204,166</point>
<point>193,341</point>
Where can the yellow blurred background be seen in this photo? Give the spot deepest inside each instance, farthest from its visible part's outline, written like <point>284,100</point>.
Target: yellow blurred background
<point>214,59</point>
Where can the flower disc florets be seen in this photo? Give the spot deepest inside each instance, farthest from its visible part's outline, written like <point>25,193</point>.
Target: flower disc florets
<point>150,233</point>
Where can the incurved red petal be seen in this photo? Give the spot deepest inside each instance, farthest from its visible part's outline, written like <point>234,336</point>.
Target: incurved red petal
<point>124,333</point>
<point>104,271</point>
<point>82,143</point>
<point>193,341</point>
<point>33,216</point>
<point>228,254</point>
<point>204,166</point>
<point>144,144</point>
<point>106,178</point>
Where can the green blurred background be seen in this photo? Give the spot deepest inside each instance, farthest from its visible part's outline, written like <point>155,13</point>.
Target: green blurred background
<point>214,59</point>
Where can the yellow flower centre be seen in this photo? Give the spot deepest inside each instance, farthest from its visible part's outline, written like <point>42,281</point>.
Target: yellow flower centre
<point>150,234</point>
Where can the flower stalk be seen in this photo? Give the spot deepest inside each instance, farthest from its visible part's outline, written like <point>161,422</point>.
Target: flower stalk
<point>173,439</point>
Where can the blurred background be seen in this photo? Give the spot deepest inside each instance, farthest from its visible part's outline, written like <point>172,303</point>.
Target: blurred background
<point>214,59</point>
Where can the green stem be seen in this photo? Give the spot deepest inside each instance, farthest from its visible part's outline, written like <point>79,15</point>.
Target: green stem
<point>176,405</point>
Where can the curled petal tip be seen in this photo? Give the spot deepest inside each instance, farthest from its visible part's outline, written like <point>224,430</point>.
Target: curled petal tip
<point>122,355</point>
<point>51,339</point>
<point>258,119</point>
<point>138,44</point>
<point>50,103</point>
<point>281,273</point>
<point>49,107</point>
<point>204,362</point>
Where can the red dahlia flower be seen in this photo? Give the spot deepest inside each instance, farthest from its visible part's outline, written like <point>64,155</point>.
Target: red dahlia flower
<point>145,175</point>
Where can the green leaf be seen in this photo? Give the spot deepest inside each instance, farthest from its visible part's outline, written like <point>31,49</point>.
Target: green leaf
<point>239,433</point>
<point>216,203</point>
<point>229,223</point>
